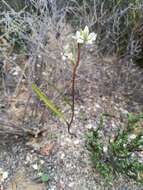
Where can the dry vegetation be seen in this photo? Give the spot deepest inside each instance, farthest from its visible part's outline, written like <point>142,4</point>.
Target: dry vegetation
<point>32,37</point>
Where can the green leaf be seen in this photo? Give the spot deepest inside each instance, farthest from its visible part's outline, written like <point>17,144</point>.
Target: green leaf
<point>135,118</point>
<point>49,103</point>
<point>45,178</point>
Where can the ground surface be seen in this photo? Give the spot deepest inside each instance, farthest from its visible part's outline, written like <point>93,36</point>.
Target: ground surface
<point>102,88</point>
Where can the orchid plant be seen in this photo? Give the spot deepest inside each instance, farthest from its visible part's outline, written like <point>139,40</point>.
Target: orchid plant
<point>84,37</point>
<point>73,55</point>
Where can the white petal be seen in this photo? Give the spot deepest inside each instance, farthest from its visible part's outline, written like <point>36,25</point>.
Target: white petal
<point>78,34</point>
<point>89,42</point>
<point>86,30</point>
<point>80,41</point>
<point>92,36</point>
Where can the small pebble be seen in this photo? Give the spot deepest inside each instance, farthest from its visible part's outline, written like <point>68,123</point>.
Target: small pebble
<point>76,142</point>
<point>3,175</point>
<point>71,184</point>
<point>62,156</point>
<point>35,166</point>
<point>89,126</point>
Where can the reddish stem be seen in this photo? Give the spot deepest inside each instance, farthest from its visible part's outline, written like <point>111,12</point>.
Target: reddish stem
<point>73,88</point>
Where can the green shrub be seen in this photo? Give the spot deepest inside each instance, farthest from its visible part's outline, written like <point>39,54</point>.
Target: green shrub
<point>119,154</point>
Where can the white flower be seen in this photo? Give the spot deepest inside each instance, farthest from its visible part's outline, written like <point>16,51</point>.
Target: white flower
<point>105,149</point>
<point>79,37</point>
<point>84,36</point>
<point>132,136</point>
<point>91,38</point>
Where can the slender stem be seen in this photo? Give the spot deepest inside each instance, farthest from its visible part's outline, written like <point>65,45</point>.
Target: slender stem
<point>73,88</point>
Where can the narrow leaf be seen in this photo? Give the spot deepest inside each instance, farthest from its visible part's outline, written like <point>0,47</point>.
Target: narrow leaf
<point>48,103</point>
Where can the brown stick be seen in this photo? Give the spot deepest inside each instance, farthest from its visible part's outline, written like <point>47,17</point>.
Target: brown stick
<point>73,88</point>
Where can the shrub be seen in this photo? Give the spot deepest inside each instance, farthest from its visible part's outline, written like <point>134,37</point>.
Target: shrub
<point>118,23</point>
<point>120,154</point>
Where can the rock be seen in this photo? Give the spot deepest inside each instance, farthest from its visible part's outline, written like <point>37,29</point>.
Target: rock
<point>76,142</point>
